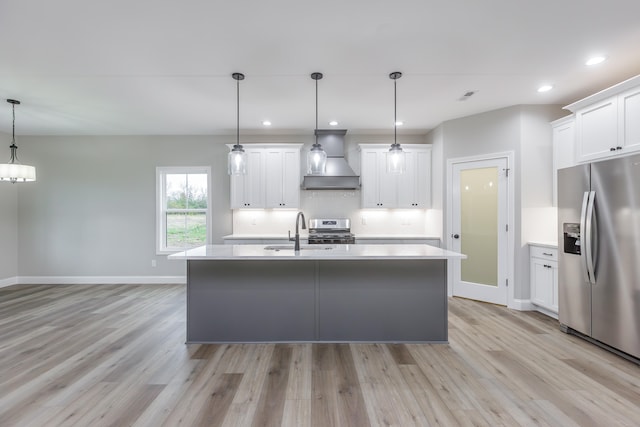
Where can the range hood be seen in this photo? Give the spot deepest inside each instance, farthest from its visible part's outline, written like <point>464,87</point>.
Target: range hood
<point>338,175</point>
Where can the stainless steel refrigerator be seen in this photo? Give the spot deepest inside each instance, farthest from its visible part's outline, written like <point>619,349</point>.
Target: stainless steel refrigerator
<point>599,252</point>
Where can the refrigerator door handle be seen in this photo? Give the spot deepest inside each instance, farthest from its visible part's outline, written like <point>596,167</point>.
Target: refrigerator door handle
<point>588,234</point>
<point>583,229</point>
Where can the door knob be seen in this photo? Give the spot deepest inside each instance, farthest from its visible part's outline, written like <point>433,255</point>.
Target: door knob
<point>455,236</point>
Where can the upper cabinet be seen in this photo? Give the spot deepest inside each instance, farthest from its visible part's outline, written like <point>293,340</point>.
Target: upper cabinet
<point>629,119</point>
<point>377,185</point>
<point>380,189</point>
<point>272,179</point>
<point>282,178</point>
<point>563,131</point>
<point>608,123</point>
<point>415,184</point>
<point>247,190</point>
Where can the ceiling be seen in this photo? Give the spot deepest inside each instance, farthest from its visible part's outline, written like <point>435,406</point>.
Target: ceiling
<point>163,67</point>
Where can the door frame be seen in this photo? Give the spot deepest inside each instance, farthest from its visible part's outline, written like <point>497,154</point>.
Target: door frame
<point>510,262</point>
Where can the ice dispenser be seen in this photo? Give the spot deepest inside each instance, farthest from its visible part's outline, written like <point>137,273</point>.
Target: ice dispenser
<point>571,232</point>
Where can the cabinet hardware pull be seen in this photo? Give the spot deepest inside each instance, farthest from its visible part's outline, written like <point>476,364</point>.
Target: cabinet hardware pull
<point>546,253</point>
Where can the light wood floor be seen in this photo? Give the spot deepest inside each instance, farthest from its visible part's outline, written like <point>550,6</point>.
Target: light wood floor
<point>115,355</point>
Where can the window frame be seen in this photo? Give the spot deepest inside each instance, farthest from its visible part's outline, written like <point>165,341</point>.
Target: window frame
<point>161,197</point>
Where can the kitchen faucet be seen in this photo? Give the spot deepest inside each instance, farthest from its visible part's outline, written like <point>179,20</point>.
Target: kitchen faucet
<point>296,239</point>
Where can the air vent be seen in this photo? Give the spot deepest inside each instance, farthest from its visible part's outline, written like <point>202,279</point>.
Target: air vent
<point>467,95</point>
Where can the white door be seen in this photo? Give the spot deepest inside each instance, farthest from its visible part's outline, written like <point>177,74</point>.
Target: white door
<point>479,215</point>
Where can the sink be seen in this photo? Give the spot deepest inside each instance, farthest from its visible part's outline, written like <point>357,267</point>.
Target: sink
<point>302,247</point>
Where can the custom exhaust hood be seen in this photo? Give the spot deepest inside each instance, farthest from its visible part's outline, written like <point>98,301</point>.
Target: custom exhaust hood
<point>338,174</point>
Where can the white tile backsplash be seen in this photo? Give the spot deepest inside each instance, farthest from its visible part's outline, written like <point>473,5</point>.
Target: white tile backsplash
<point>338,204</point>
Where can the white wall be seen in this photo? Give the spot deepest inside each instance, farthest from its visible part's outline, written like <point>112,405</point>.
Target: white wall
<point>525,131</point>
<point>537,176</point>
<point>8,221</point>
<point>435,216</point>
<point>92,210</point>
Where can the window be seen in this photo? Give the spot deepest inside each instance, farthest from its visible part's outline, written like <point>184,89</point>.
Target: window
<point>183,208</point>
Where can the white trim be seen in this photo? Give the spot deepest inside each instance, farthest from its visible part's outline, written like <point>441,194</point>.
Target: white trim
<point>100,280</point>
<point>10,281</point>
<point>510,156</point>
<point>604,94</point>
<point>161,172</point>
<point>522,305</point>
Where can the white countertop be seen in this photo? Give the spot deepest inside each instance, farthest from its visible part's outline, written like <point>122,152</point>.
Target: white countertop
<point>396,236</point>
<point>304,236</point>
<point>260,236</point>
<point>316,252</point>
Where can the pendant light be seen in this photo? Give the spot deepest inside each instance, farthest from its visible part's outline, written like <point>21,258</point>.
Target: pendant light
<point>14,171</point>
<point>316,157</point>
<point>237,158</point>
<point>396,156</point>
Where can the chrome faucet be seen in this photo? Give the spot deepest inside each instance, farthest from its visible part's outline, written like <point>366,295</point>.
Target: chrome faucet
<point>296,239</point>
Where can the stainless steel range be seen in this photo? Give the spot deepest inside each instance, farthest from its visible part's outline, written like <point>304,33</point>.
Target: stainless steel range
<point>331,231</point>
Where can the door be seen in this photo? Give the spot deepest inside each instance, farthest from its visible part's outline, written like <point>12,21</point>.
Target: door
<point>574,291</point>
<point>628,123</point>
<point>597,130</point>
<point>247,190</point>
<point>414,189</point>
<point>379,188</point>
<point>479,229</point>
<point>616,251</point>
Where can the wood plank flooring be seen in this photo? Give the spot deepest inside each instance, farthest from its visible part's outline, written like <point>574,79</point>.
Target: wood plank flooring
<point>114,355</point>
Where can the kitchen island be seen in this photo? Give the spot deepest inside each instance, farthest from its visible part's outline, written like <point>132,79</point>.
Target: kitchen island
<point>323,293</point>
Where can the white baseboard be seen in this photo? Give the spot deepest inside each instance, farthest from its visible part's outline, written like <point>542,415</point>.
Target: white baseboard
<point>522,305</point>
<point>8,282</point>
<point>99,280</point>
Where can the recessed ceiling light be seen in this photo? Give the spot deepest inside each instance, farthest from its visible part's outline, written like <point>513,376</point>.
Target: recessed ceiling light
<point>595,60</point>
<point>266,123</point>
<point>333,123</point>
<point>399,123</point>
<point>545,88</point>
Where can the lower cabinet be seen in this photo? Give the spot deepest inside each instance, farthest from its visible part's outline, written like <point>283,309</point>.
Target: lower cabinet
<point>544,278</point>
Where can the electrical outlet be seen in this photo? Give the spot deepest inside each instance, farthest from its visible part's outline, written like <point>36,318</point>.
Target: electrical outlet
<point>363,220</point>
<point>153,263</point>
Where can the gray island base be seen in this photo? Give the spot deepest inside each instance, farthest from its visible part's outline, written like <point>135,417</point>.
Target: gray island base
<point>348,296</point>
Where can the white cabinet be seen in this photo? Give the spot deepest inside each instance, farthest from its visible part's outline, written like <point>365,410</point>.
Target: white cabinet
<point>629,119</point>
<point>377,185</point>
<point>414,190</point>
<point>247,190</point>
<point>544,278</point>
<point>563,131</point>
<point>272,179</point>
<point>608,123</point>
<point>597,130</point>
<point>282,178</point>
<point>380,189</point>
